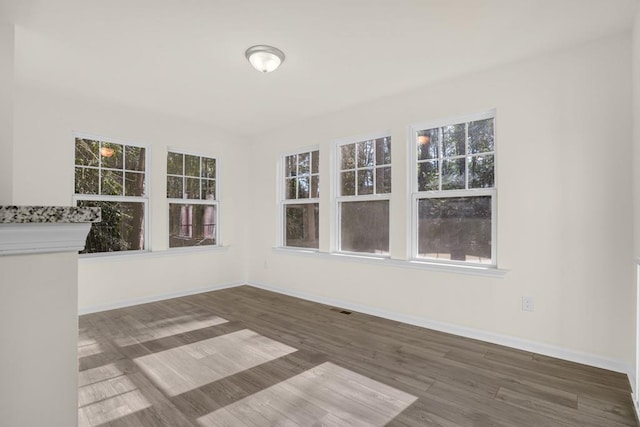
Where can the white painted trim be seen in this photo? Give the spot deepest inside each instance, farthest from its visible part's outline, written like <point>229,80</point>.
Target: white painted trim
<point>380,260</point>
<point>146,198</point>
<point>154,298</point>
<point>30,238</point>
<point>495,338</point>
<point>445,121</point>
<point>281,179</point>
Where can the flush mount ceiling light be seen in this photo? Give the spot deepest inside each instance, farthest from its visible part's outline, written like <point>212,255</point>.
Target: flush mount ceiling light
<point>264,58</point>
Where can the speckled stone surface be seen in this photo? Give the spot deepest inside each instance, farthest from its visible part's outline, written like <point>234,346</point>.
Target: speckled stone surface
<point>47,214</point>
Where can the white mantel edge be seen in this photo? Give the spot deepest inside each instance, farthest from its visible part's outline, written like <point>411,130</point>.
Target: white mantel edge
<point>36,238</point>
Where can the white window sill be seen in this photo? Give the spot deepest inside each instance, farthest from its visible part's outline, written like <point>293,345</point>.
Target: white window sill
<point>132,255</point>
<point>373,259</point>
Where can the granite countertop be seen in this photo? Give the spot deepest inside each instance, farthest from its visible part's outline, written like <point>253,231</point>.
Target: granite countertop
<point>48,214</point>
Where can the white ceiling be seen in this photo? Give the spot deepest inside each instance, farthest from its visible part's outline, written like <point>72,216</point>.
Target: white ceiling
<point>186,57</point>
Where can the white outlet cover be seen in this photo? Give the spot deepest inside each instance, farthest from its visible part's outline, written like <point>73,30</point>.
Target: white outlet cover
<point>527,304</point>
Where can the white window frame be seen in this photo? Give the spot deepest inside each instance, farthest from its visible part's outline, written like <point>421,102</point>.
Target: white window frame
<point>416,195</point>
<point>106,198</point>
<point>283,201</point>
<point>338,199</point>
<point>184,201</point>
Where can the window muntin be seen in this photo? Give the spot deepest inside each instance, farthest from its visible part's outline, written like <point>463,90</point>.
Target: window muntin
<point>456,157</point>
<point>112,175</point>
<point>300,207</point>
<point>364,187</point>
<point>193,200</point>
<point>365,167</point>
<point>454,191</point>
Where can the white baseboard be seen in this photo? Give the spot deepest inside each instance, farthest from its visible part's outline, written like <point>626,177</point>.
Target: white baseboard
<point>506,340</point>
<point>153,298</point>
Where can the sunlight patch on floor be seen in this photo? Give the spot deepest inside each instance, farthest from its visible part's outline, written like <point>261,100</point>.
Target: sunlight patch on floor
<point>325,395</point>
<point>190,366</point>
<point>134,331</point>
<point>102,401</point>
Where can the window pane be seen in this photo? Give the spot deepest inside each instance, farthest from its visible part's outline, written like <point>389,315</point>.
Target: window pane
<point>121,228</point>
<point>193,188</point>
<point>134,158</point>
<point>111,183</point>
<point>453,143</point>
<point>303,164</point>
<point>383,151</point>
<point>86,152</point>
<point>208,167</point>
<point>112,155</point>
<point>174,164</point>
<point>481,171</point>
<point>481,136</point>
<point>428,176</point>
<point>383,180</point>
<point>348,156</point>
<point>365,181</point>
<point>365,153</point>
<point>174,187</point>
<point>303,188</point>
<point>86,181</point>
<point>208,189</point>
<point>191,165</point>
<point>453,174</point>
<point>364,226</point>
<point>290,163</point>
<point>290,189</point>
<point>315,187</point>
<point>428,144</point>
<point>315,162</point>
<point>456,228</point>
<point>133,184</point>
<point>191,225</point>
<point>348,183</point>
<point>302,225</point>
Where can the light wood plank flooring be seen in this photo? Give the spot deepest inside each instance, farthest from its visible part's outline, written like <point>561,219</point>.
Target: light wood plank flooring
<point>248,357</point>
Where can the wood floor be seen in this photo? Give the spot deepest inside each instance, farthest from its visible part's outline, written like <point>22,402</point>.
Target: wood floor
<point>245,356</point>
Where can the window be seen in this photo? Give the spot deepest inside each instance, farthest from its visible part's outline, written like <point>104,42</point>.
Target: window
<point>454,197</point>
<point>364,187</point>
<point>112,176</point>
<point>193,200</point>
<point>300,203</point>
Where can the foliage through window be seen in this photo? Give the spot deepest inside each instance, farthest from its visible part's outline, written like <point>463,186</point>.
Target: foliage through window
<point>454,196</point>
<point>300,205</point>
<point>193,202</point>
<point>112,176</point>
<point>364,177</point>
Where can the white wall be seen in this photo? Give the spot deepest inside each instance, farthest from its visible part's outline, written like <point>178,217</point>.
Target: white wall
<point>38,361</point>
<point>635,159</point>
<point>636,129</point>
<point>564,211</point>
<point>6,113</point>
<point>43,174</point>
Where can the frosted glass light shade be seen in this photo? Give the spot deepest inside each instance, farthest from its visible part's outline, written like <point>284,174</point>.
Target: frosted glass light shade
<point>264,58</point>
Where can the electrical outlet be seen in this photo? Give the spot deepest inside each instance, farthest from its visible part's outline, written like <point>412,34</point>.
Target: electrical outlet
<point>527,303</point>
